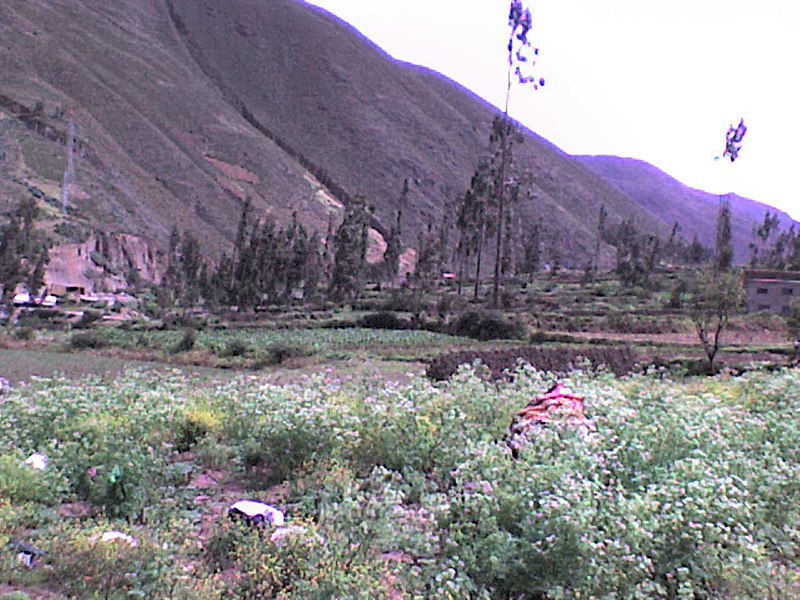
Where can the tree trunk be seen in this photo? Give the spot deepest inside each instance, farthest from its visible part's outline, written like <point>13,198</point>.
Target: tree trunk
<point>478,264</point>
<point>500,210</point>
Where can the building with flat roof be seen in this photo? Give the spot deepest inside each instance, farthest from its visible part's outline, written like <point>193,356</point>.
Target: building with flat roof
<point>771,291</point>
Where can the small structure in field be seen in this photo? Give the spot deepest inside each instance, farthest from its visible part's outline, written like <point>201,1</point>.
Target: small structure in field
<point>256,513</point>
<point>771,291</point>
<point>27,553</point>
<point>558,406</point>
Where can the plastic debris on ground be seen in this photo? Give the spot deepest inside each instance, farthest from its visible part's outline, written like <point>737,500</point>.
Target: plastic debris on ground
<point>118,536</point>
<point>26,553</point>
<point>37,460</point>
<point>558,406</point>
<point>256,513</point>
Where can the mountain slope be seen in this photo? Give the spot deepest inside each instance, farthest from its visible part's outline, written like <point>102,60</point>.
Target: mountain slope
<point>183,108</point>
<point>696,211</point>
<point>157,145</point>
<point>367,121</point>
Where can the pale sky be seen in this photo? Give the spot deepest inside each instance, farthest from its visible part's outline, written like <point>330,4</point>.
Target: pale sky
<point>658,80</point>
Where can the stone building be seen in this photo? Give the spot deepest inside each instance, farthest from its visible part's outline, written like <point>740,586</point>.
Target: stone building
<point>771,291</point>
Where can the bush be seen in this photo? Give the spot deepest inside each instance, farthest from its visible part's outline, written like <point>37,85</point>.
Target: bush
<point>21,483</point>
<point>82,341</point>
<point>24,333</point>
<point>88,318</point>
<point>303,564</point>
<point>39,318</point>
<point>384,320</point>
<point>618,359</point>
<point>235,348</point>
<point>277,354</point>
<point>486,326</point>
<point>87,566</point>
<point>187,342</point>
<point>194,425</point>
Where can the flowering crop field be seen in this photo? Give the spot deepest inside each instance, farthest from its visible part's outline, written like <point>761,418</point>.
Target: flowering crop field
<point>314,340</point>
<point>688,489</point>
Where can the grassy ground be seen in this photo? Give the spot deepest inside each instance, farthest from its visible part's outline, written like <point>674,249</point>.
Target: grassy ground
<point>20,365</point>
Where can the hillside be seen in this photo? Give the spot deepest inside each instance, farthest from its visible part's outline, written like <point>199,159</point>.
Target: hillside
<point>182,109</point>
<point>694,210</point>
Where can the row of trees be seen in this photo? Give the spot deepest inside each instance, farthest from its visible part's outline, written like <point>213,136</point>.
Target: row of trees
<point>23,251</point>
<point>271,265</point>
<point>773,247</point>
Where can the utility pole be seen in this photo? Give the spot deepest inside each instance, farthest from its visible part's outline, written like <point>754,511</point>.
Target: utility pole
<point>69,172</point>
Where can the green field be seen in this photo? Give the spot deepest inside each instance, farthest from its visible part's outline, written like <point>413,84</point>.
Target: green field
<point>404,490</point>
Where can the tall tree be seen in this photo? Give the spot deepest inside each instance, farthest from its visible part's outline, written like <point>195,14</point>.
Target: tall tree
<point>715,297</point>
<point>510,236</point>
<point>241,236</point>
<point>762,234</point>
<point>602,219</point>
<point>505,188</point>
<point>696,253</point>
<point>531,260</point>
<point>723,259</point>
<point>313,271</point>
<point>350,252</point>
<point>391,257</point>
<point>521,58</point>
<point>10,258</point>
<point>631,265</point>
<point>192,262</point>
<point>474,221</point>
<point>427,268</point>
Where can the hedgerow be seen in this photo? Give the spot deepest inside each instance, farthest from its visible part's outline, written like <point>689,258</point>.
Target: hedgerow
<point>558,359</point>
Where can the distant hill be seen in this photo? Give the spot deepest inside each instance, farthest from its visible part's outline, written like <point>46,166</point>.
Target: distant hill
<point>696,211</point>
<point>182,109</point>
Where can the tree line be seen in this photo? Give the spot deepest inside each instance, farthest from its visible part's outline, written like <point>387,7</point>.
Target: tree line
<point>478,229</point>
<point>773,247</point>
<point>24,251</point>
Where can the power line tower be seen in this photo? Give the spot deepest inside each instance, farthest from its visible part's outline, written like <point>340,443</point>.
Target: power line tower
<point>3,146</point>
<point>69,172</point>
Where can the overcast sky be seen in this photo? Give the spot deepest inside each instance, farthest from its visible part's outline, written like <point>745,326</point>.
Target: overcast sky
<point>659,80</point>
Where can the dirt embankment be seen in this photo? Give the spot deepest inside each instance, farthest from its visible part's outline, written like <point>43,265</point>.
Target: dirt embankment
<point>103,263</point>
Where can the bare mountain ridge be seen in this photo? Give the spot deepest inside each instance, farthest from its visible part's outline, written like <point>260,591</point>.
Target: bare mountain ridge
<point>695,210</point>
<point>184,108</point>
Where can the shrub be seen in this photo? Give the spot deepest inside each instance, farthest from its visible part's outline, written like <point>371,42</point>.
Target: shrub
<point>486,326</point>
<point>194,425</point>
<point>82,341</point>
<point>305,563</point>
<point>235,348</point>
<point>85,565</point>
<point>21,483</point>
<point>618,359</point>
<point>384,320</point>
<point>88,318</point>
<point>24,333</point>
<point>187,342</point>
<point>276,354</point>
